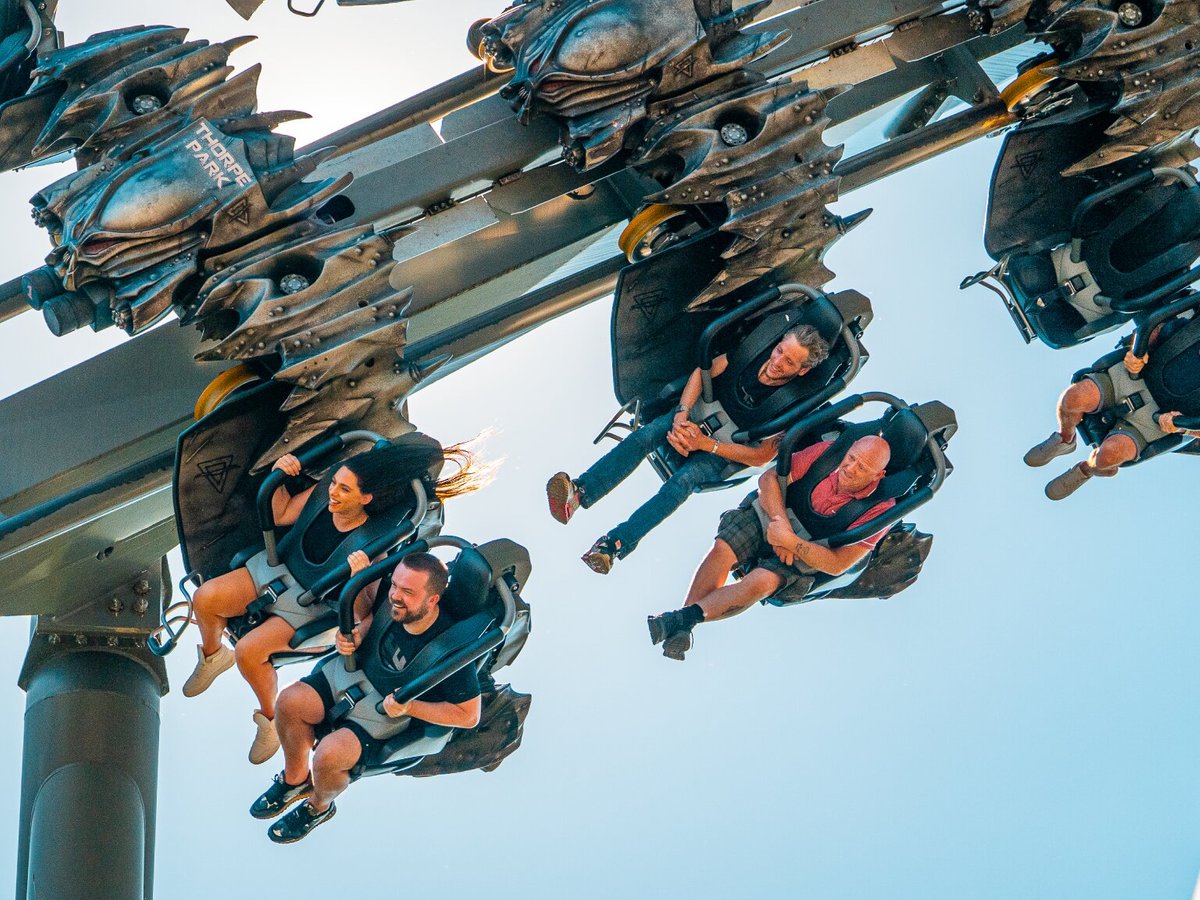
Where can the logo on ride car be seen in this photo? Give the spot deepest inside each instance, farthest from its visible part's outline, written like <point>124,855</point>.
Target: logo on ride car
<point>215,158</point>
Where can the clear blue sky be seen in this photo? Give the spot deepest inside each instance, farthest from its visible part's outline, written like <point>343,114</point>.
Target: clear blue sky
<point>1020,724</point>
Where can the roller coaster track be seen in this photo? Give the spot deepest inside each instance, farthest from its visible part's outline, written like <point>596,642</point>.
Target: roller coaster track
<point>490,232</point>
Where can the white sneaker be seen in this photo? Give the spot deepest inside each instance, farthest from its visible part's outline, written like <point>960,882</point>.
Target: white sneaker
<point>266,741</point>
<point>207,669</point>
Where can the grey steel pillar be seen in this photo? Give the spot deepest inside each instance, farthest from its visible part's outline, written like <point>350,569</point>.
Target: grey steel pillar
<point>90,769</point>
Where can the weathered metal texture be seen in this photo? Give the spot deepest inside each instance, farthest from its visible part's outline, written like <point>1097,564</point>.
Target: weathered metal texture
<point>774,185</point>
<point>596,65</point>
<point>23,29</point>
<point>667,83</point>
<point>175,163</point>
<point>340,336</point>
<point>498,736</point>
<point>186,200</point>
<point>1150,65</point>
<point>894,566</point>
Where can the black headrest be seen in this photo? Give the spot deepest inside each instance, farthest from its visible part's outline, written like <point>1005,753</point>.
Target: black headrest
<point>1173,373</point>
<point>906,435</point>
<point>470,581</point>
<point>822,315</point>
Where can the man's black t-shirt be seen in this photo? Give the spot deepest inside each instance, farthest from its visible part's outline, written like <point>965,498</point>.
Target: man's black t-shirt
<point>396,648</point>
<point>751,391</point>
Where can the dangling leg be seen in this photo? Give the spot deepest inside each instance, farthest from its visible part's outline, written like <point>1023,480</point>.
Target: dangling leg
<point>618,463</point>
<point>712,573</point>
<point>336,755</point>
<point>218,600</point>
<point>253,654</point>
<point>726,602</point>
<point>1114,451</point>
<point>300,710</point>
<point>215,602</point>
<point>1079,399</point>
<point>696,471</point>
<point>1104,460</point>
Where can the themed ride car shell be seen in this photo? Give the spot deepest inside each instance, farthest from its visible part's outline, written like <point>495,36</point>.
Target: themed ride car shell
<point>596,62</point>
<point>138,219</point>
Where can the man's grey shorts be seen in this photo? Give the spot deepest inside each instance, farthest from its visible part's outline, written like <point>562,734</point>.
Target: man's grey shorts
<point>741,530</point>
<point>1141,425</point>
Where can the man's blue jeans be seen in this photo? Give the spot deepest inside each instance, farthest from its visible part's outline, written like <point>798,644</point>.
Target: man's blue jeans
<point>693,472</point>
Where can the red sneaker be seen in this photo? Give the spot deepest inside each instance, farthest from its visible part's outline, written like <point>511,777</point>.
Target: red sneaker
<point>563,496</point>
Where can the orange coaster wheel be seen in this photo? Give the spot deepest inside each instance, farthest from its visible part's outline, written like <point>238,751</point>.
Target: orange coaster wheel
<point>1022,88</point>
<point>222,386</point>
<point>475,45</point>
<point>645,231</point>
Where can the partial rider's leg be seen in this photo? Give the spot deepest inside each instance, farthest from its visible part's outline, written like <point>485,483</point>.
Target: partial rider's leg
<point>253,654</point>
<point>696,471</point>
<point>1077,400</point>
<point>1114,451</point>
<point>619,462</point>
<point>1080,399</point>
<point>336,755</point>
<point>299,711</point>
<point>218,600</point>
<point>728,601</point>
<point>712,573</point>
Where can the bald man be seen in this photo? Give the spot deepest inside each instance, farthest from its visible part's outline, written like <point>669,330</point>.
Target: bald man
<point>759,536</point>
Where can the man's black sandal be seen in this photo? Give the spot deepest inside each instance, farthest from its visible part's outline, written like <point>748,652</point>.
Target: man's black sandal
<point>298,823</point>
<point>279,796</point>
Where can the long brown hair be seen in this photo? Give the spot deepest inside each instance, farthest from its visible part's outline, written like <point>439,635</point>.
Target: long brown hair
<point>471,471</point>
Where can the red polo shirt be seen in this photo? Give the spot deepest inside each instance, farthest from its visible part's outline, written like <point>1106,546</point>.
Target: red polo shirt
<point>827,499</point>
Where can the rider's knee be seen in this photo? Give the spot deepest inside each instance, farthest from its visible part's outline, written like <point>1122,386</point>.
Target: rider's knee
<point>250,649</point>
<point>337,752</point>
<point>1114,450</point>
<point>290,702</point>
<point>1081,397</point>
<point>721,553</point>
<point>205,595</point>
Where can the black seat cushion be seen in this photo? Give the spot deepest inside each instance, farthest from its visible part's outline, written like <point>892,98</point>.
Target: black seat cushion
<point>1033,281</point>
<point>1138,242</point>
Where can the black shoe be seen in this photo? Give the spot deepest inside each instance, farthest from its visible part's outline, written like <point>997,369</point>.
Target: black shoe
<point>669,623</point>
<point>677,644</point>
<point>279,796</point>
<point>298,823</point>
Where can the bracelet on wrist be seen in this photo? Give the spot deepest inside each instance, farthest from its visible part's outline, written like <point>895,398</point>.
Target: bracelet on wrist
<point>681,408</point>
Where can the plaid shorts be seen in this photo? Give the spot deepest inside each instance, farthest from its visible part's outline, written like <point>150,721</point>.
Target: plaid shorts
<point>742,531</point>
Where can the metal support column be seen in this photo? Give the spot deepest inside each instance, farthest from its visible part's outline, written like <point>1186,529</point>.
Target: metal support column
<point>89,781</point>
